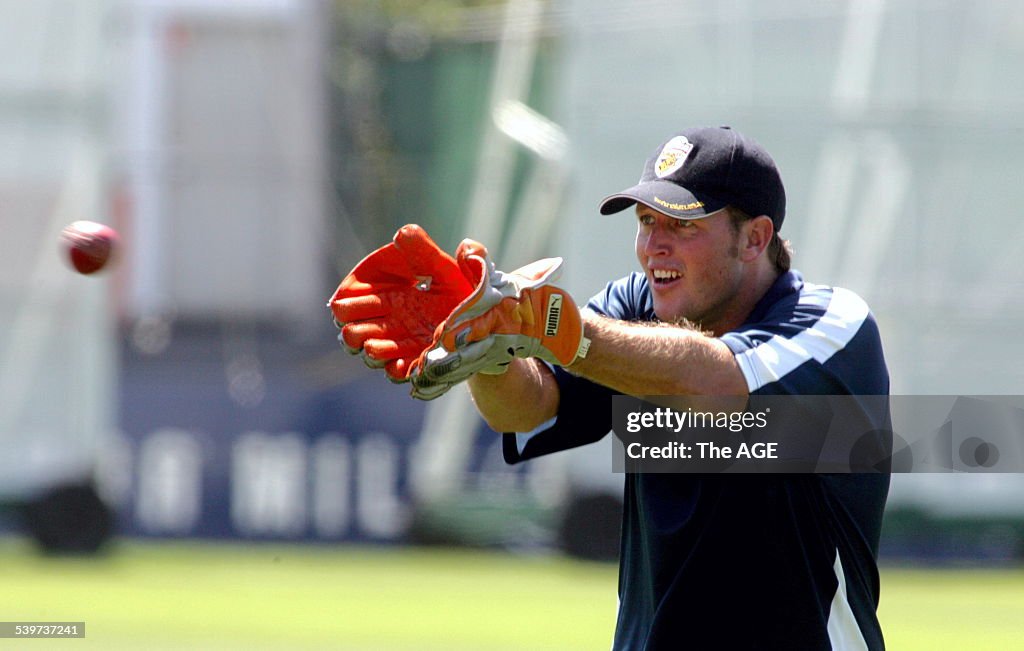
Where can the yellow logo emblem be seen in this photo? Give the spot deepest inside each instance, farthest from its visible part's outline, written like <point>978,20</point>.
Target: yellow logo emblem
<point>666,161</point>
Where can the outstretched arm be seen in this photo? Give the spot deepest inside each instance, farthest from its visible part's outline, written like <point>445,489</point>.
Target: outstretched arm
<point>632,358</point>
<point>493,323</point>
<point>658,359</point>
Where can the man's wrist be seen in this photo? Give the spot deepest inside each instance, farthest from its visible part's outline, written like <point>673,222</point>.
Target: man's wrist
<point>587,317</point>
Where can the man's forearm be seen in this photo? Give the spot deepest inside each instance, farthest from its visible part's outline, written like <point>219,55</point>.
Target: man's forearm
<point>519,400</point>
<point>632,358</point>
<point>657,359</point>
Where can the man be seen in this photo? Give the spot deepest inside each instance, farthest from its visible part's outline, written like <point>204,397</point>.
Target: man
<point>707,561</point>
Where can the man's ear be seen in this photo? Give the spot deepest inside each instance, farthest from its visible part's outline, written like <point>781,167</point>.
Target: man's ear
<point>757,233</point>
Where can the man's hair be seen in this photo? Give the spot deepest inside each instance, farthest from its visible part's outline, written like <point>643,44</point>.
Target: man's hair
<point>779,251</point>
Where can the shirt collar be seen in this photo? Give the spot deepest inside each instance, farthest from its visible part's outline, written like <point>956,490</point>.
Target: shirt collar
<point>788,283</point>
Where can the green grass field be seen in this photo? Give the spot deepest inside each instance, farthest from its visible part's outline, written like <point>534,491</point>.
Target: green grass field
<point>189,596</point>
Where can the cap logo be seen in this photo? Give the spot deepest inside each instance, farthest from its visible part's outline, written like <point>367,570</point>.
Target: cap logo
<point>672,156</point>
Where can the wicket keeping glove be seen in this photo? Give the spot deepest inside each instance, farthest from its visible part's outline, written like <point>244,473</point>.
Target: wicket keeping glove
<point>390,304</point>
<point>517,314</point>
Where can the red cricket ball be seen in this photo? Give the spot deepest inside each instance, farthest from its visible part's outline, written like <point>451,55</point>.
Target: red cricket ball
<point>89,245</point>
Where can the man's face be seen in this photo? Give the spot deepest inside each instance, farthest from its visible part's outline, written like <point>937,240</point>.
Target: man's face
<point>692,266</point>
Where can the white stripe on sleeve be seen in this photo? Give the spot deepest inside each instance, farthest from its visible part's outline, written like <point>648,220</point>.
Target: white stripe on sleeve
<point>773,359</point>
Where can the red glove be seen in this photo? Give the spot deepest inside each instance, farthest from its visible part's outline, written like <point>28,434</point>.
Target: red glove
<point>389,305</point>
<point>508,315</point>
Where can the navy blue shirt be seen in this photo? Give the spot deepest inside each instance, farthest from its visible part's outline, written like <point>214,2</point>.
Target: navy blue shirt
<point>746,561</point>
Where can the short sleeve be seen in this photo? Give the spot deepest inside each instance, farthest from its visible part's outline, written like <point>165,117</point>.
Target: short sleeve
<point>822,340</point>
<point>584,416</point>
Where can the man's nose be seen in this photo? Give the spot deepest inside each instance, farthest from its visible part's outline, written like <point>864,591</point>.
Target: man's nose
<point>658,243</point>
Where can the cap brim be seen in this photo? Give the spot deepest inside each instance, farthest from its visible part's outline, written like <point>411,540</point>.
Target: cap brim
<point>663,196</point>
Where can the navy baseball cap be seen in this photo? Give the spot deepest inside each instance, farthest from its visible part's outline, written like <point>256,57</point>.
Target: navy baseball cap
<point>700,171</point>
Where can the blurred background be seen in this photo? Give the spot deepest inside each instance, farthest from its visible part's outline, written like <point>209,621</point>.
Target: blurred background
<point>250,152</point>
